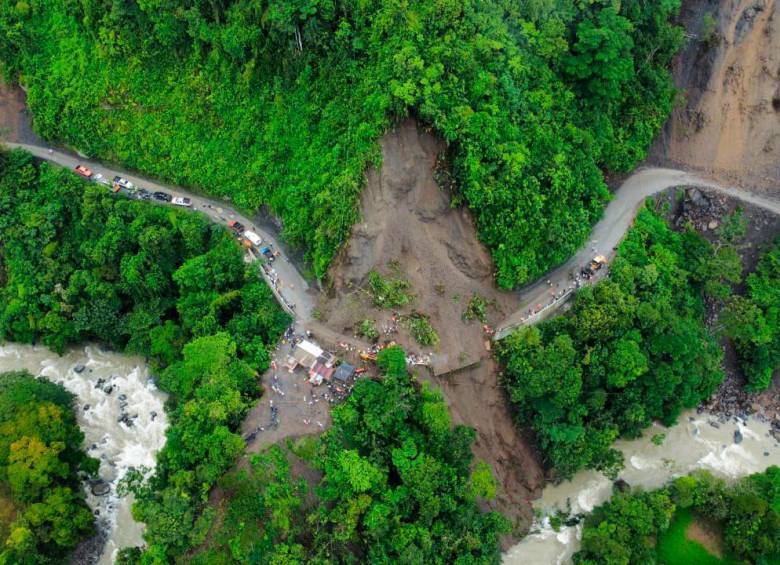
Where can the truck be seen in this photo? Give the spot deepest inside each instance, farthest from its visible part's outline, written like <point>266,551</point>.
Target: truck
<point>268,254</point>
<point>595,265</point>
<point>253,237</point>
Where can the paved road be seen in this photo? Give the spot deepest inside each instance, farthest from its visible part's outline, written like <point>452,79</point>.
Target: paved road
<point>605,237</point>
<point>607,234</point>
<point>292,285</point>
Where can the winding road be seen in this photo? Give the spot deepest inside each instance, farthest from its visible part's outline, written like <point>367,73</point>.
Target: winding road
<point>607,234</point>
<point>605,237</point>
<point>292,285</point>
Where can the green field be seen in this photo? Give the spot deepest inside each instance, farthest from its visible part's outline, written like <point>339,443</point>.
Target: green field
<point>674,547</point>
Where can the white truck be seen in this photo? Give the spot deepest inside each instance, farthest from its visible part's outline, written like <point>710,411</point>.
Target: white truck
<point>253,238</point>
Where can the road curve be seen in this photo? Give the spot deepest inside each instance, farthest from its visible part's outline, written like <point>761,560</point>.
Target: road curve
<point>609,231</point>
<point>293,286</point>
<point>606,235</point>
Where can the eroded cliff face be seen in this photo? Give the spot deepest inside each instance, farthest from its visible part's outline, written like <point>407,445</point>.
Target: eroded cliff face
<point>727,123</point>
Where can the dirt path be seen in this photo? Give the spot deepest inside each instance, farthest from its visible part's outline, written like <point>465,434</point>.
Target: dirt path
<point>608,233</point>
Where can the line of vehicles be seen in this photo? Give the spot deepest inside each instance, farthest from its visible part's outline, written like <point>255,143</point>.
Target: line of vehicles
<point>248,238</point>
<point>120,184</point>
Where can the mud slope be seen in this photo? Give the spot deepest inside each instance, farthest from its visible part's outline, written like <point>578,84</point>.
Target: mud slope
<point>407,220</point>
<point>728,125</point>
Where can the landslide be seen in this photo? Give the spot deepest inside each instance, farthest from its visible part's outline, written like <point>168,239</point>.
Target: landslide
<point>410,230</point>
<point>728,125</point>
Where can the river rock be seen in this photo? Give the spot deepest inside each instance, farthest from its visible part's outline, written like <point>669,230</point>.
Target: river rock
<point>86,407</point>
<point>738,437</point>
<point>109,389</point>
<point>621,485</point>
<point>79,368</point>
<point>100,488</point>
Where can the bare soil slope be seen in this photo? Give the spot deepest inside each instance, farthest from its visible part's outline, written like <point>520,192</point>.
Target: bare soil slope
<point>728,125</point>
<point>408,221</point>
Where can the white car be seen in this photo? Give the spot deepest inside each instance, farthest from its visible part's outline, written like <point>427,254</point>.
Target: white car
<point>179,201</point>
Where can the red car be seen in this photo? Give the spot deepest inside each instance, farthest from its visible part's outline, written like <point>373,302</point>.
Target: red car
<point>84,171</point>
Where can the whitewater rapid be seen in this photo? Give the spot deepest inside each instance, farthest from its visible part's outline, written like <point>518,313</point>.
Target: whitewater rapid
<point>694,443</point>
<point>121,413</point>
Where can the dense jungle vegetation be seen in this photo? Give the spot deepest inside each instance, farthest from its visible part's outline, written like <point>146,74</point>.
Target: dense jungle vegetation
<point>395,487</point>
<point>282,103</point>
<point>43,514</point>
<point>752,321</point>
<point>638,527</point>
<point>78,264</point>
<point>633,348</point>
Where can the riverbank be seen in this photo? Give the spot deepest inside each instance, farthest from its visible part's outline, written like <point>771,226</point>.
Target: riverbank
<point>121,413</point>
<point>698,441</point>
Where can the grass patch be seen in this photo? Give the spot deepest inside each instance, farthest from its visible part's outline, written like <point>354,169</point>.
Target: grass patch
<point>305,447</point>
<point>675,548</point>
<point>389,292</point>
<point>421,329</point>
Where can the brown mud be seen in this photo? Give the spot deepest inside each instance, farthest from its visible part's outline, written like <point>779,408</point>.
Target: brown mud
<point>727,124</point>
<point>408,221</point>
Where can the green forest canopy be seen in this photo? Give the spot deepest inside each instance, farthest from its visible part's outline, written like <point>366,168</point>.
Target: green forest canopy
<point>78,263</point>
<point>43,514</point>
<point>752,321</point>
<point>633,349</point>
<point>282,102</point>
<point>632,527</point>
<point>396,486</point>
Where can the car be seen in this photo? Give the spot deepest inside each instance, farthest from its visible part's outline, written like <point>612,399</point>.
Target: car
<point>162,196</point>
<point>266,251</point>
<point>143,194</point>
<point>83,171</point>
<point>97,177</point>
<point>123,182</point>
<point>236,226</point>
<point>181,201</point>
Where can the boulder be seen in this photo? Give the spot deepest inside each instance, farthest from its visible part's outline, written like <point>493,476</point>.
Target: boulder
<point>100,488</point>
<point>79,368</point>
<point>621,485</point>
<point>738,437</point>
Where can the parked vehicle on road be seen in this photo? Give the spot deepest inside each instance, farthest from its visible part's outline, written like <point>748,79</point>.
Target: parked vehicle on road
<point>268,254</point>
<point>253,237</point>
<point>123,183</point>
<point>182,201</point>
<point>596,264</point>
<point>85,172</point>
<point>236,226</point>
<point>143,194</point>
<point>162,196</point>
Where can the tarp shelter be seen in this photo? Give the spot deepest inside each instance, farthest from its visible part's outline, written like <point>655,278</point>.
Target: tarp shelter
<point>306,354</point>
<point>344,372</point>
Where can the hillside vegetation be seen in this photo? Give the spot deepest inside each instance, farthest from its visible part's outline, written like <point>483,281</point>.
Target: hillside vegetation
<point>753,321</point>
<point>396,486</point>
<point>639,527</point>
<point>633,349</point>
<point>282,103</point>
<point>43,514</point>
<point>78,263</point>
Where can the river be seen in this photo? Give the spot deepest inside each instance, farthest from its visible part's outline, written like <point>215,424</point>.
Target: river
<point>109,387</point>
<point>692,444</point>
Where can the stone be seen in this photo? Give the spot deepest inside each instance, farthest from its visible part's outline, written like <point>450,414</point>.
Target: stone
<point>621,485</point>
<point>738,437</point>
<point>713,224</point>
<point>100,488</point>
<point>79,368</point>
